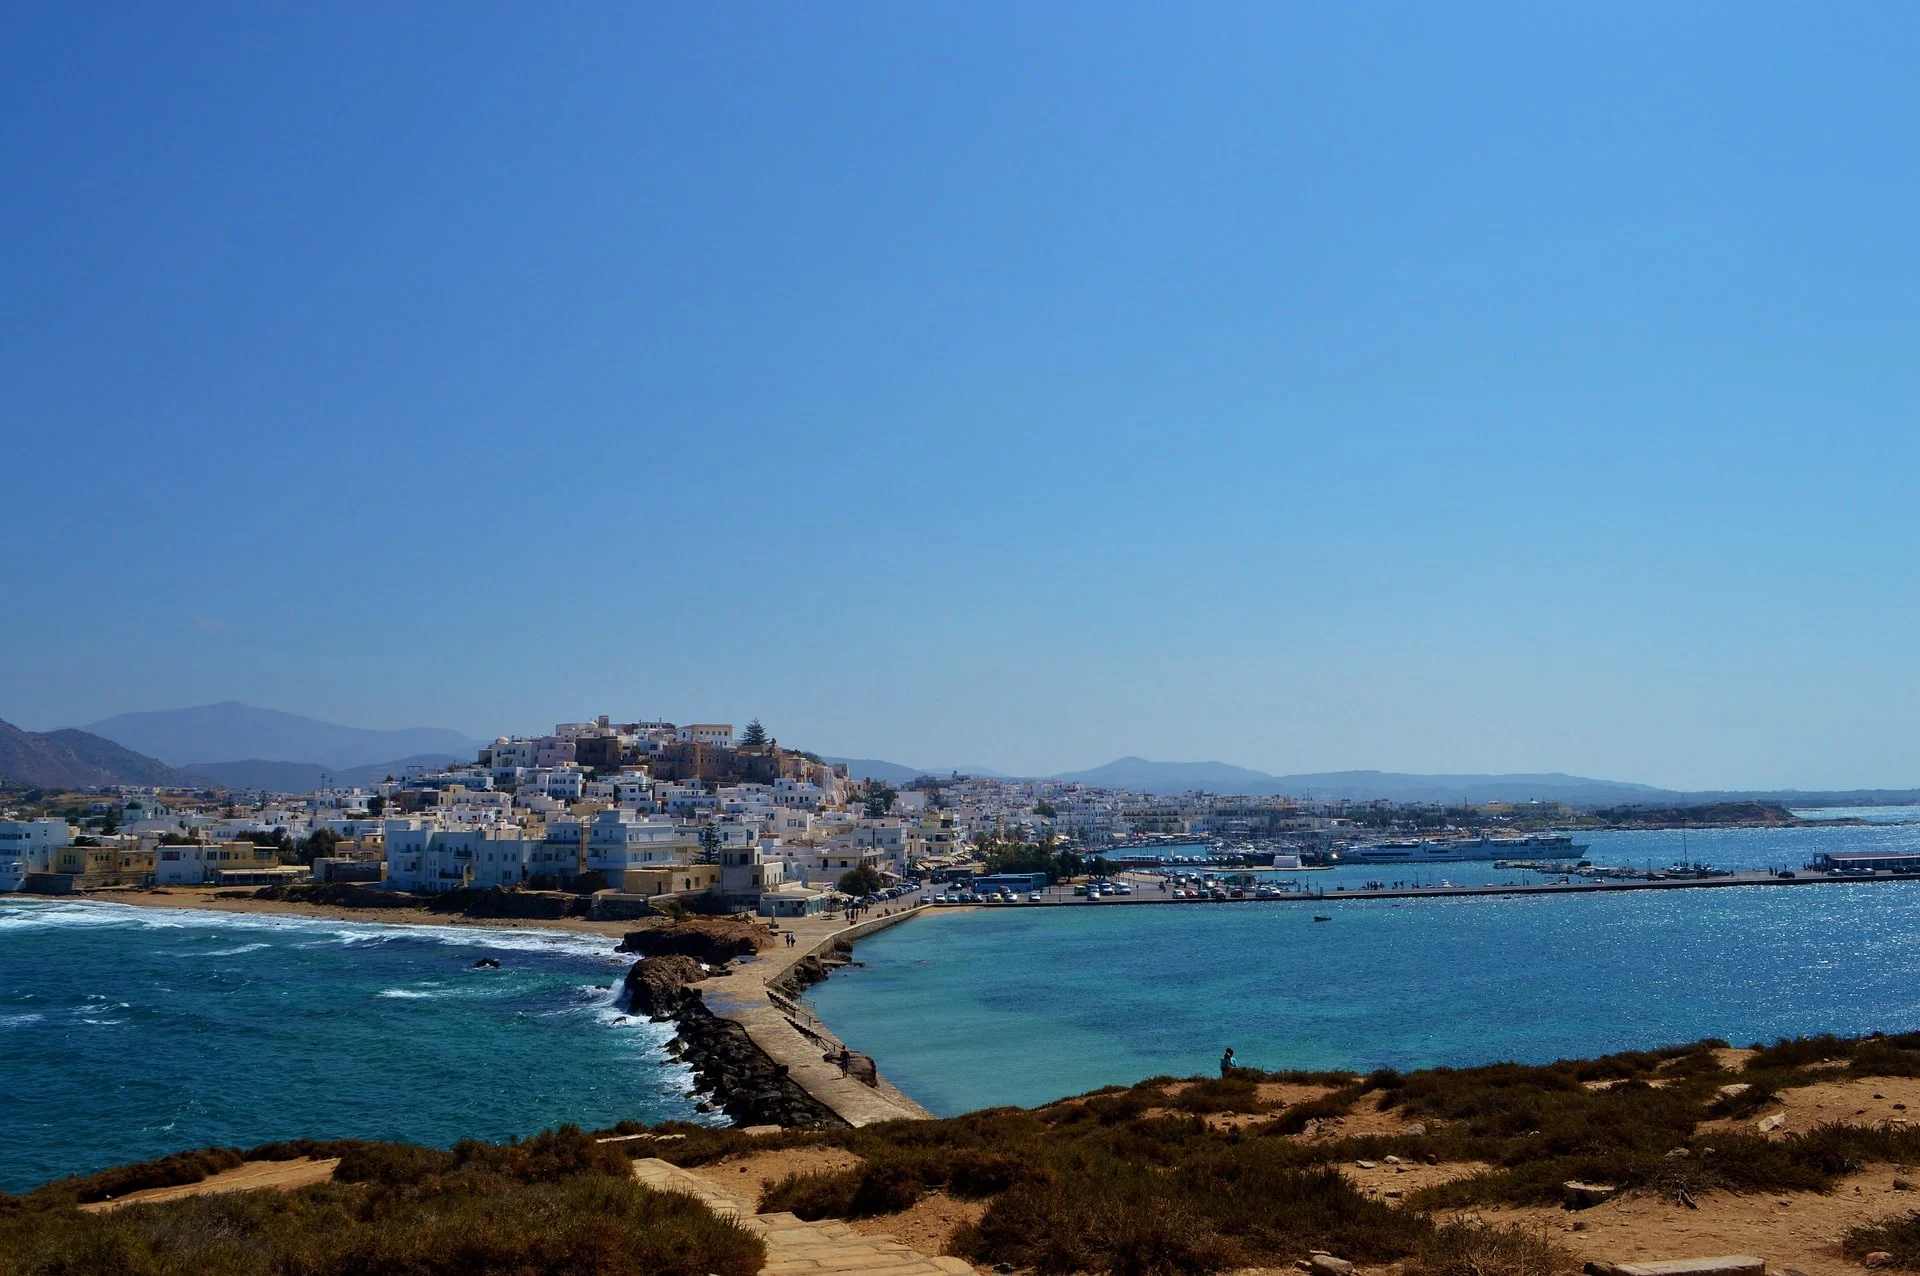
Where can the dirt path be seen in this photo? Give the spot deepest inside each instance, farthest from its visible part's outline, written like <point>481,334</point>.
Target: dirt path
<point>282,1176</point>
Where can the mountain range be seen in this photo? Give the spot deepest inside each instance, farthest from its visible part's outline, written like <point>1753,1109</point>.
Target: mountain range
<point>78,759</point>
<point>1172,778</point>
<point>239,746</point>
<point>305,777</point>
<point>224,732</point>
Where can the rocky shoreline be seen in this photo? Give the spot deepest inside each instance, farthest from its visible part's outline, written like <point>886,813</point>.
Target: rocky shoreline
<point>734,1074</point>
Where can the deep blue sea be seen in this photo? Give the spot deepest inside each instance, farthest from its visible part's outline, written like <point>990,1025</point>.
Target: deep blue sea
<point>128,1033</point>
<point>971,1009</point>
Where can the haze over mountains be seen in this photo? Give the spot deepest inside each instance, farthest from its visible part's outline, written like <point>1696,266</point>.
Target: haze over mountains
<point>231,731</point>
<point>1171,778</point>
<point>239,746</point>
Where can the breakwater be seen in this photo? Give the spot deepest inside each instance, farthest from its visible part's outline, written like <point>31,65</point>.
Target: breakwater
<point>757,1052</point>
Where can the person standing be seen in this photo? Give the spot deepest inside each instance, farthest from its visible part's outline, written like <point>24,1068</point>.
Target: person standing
<point>1226,1063</point>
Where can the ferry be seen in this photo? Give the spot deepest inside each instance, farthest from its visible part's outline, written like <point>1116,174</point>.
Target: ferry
<point>1451,850</point>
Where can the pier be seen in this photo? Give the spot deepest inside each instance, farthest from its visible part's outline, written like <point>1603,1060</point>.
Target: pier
<point>791,1035</point>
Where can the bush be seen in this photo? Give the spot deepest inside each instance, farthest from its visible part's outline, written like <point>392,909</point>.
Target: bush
<point>1899,1237</point>
<point>557,1203</point>
<point>1475,1249</point>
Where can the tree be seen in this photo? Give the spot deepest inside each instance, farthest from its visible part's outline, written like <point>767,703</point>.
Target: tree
<point>860,881</point>
<point>879,801</point>
<point>317,845</point>
<point>709,845</point>
<point>376,806</point>
<point>1044,808</point>
<point>754,737</point>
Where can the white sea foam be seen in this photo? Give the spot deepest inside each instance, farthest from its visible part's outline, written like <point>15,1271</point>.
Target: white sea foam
<point>407,993</point>
<point>19,1021</point>
<point>16,914</point>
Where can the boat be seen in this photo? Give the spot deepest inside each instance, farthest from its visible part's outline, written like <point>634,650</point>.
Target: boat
<point>1321,917</point>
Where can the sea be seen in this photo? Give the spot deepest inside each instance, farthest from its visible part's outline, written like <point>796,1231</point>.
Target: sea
<point>128,1033</point>
<point>978,1008</point>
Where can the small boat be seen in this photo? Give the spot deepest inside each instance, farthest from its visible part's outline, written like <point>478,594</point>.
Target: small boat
<point>1321,917</point>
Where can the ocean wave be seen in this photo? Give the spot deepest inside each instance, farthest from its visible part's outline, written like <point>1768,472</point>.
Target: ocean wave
<point>19,1021</point>
<point>42,914</point>
<point>406,993</point>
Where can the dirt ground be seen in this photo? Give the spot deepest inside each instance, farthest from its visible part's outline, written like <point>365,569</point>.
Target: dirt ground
<point>1391,1182</point>
<point>927,1225</point>
<point>1864,1101</point>
<point>748,1176</point>
<point>283,1175</point>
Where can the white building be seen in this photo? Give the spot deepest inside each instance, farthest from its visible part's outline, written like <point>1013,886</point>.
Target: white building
<point>620,839</point>
<point>32,842</point>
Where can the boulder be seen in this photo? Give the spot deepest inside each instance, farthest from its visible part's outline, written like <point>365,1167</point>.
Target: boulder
<point>1580,1196</point>
<point>1328,1265</point>
<point>1768,1124</point>
<point>660,985</point>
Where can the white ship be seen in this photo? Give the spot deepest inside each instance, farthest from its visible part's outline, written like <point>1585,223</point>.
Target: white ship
<point>1452,850</point>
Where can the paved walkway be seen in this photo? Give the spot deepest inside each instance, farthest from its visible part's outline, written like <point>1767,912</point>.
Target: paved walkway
<point>790,1034</point>
<point>799,1248</point>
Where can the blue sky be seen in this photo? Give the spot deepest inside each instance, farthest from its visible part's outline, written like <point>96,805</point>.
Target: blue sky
<point>1404,386</point>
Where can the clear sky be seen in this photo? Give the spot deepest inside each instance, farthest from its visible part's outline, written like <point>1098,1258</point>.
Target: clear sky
<point>1423,387</point>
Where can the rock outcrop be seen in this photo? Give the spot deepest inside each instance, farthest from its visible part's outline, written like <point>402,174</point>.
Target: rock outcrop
<point>661,986</point>
<point>710,939</point>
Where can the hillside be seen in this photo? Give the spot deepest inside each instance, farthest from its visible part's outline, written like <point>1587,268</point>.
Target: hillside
<point>210,733</point>
<point>76,759</point>
<point>1360,786</point>
<point>305,777</point>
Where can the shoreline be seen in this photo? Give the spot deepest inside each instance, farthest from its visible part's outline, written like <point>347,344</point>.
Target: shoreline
<point>205,900</point>
<point>742,994</point>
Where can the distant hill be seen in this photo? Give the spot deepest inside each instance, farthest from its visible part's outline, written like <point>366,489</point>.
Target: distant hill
<point>895,773</point>
<point>1169,778</point>
<point>234,730</point>
<point>76,759</point>
<point>1173,778</point>
<point>306,777</point>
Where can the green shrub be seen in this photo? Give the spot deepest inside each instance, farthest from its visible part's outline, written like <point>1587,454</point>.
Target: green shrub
<point>1476,1249</point>
<point>1899,1237</point>
<point>459,1224</point>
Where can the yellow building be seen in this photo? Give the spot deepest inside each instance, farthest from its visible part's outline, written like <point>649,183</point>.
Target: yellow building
<point>937,834</point>
<point>669,879</point>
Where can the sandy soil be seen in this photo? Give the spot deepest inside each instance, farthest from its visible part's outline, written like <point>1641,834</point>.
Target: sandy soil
<point>927,1226</point>
<point>205,899</point>
<point>1800,1230</point>
<point>748,1176</point>
<point>1390,1182</point>
<point>1287,1094</point>
<point>283,1175</point>
<point>1864,1101</point>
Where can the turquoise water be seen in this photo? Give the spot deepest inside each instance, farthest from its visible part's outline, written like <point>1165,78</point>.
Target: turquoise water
<point>128,1033</point>
<point>970,1009</point>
